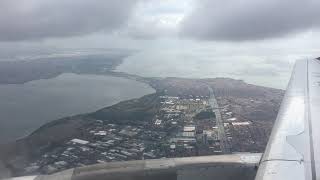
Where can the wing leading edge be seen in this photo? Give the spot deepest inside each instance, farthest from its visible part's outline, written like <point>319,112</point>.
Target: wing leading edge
<point>293,151</point>
<point>223,167</point>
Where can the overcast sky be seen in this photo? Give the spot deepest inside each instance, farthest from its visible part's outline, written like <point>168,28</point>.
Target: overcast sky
<point>254,40</point>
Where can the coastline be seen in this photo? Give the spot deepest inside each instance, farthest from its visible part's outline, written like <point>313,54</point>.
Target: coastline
<point>110,100</point>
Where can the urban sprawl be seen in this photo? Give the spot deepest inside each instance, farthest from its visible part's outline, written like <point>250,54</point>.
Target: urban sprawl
<point>185,125</point>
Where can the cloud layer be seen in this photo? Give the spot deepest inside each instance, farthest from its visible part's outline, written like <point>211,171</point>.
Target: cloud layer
<point>235,20</point>
<point>228,20</point>
<point>38,19</point>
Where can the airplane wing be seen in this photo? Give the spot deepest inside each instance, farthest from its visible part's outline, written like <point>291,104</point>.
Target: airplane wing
<point>222,167</point>
<point>293,150</point>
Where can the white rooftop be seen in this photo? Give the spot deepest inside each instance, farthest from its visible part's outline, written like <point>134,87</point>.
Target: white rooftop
<point>231,119</point>
<point>241,123</point>
<point>189,128</point>
<point>101,133</point>
<point>79,141</point>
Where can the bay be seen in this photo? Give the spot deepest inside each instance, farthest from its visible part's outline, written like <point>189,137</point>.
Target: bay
<point>25,107</point>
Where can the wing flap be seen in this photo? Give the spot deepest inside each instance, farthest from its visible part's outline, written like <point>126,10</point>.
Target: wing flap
<point>293,151</point>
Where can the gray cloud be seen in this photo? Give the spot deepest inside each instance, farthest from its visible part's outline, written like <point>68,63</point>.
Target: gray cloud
<point>147,30</point>
<point>235,20</point>
<point>38,19</point>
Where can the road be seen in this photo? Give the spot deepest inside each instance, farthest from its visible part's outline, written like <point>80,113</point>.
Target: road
<point>221,133</point>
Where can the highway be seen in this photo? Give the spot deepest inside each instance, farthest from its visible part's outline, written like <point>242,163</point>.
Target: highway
<point>221,133</point>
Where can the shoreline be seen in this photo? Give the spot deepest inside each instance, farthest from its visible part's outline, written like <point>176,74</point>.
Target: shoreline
<point>140,112</point>
<point>150,81</point>
<point>111,75</point>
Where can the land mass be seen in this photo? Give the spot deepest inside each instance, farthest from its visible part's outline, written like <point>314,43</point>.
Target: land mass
<point>176,121</point>
<point>18,72</point>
